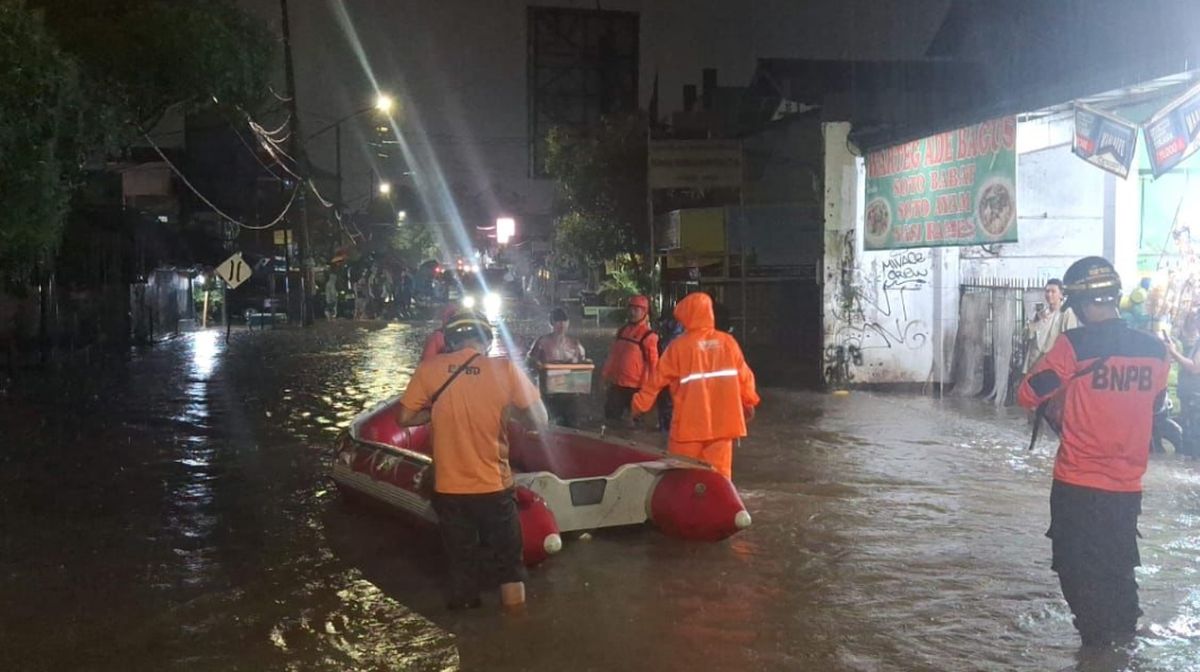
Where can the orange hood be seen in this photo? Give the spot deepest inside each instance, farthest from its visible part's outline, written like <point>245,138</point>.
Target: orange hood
<point>695,312</point>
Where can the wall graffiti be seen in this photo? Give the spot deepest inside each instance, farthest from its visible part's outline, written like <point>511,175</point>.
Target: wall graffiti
<point>871,307</point>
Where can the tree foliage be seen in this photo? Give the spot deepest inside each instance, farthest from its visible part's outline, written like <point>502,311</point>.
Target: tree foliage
<point>601,181</point>
<point>40,116</point>
<point>83,78</point>
<point>413,242</point>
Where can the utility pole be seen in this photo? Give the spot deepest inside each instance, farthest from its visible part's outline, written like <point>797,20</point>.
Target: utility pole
<point>337,139</point>
<point>296,149</point>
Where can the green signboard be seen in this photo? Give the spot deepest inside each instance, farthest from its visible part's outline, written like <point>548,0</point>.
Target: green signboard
<point>951,189</point>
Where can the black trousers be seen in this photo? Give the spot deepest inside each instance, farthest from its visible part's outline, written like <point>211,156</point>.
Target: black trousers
<point>617,401</point>
<point>1093,534</point>
<point>482,538</point>
<point>563,409</point>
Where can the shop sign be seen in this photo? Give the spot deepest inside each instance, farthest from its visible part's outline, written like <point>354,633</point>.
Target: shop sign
<point>1173,134</point>
<point>695,164</point>
<point>955,188</point>
<point>1104,140</point>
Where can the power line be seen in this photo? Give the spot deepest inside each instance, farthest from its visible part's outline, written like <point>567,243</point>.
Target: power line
<point>212,205</point>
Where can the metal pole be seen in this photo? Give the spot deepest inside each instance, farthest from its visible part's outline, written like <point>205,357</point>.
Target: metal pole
<point>742,245</point>
<point>337,139</point>
<point>653,258</point>
<point>297,151</point>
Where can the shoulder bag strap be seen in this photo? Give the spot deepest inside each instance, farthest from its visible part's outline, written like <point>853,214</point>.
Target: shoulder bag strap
<point>434,398</point>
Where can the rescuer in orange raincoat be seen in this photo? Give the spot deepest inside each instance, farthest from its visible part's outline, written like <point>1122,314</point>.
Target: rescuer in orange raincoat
<point>711,386</point>
<point>632,359</point>
<point>435,343</point>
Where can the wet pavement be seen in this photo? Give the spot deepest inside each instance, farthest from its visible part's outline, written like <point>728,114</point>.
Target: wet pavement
<point>169,510</point>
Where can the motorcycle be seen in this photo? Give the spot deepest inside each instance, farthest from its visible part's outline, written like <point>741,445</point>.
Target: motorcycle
<point>1167,435</point>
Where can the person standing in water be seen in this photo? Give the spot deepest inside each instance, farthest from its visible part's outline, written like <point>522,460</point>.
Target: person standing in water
<point>631,360</point>
<point>711,386</point>
<point>557,347</point>
<point>1099,385</point>
<point>1051,319</point>
<point>467,398</point>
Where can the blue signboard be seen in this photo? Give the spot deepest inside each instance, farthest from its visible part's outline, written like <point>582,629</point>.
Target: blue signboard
<point>1104,140</point>
<point>1173,134</point>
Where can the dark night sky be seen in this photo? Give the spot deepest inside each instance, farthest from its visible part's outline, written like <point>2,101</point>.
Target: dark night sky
<point>460,67</point>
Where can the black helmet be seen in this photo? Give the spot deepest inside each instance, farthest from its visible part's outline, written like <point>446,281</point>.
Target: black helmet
<point>464,325</point>
<point>1091,280</point>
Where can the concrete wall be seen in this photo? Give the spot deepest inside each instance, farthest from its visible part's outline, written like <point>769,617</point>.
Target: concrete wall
<point>890,317</point>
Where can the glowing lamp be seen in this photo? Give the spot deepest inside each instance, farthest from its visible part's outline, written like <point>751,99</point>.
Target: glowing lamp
<point>506,228</point>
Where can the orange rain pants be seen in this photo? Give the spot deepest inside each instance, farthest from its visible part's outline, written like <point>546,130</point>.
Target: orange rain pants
<point>718,453</point>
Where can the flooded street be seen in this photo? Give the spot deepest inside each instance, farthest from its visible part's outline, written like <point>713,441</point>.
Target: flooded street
<point>171,511</point>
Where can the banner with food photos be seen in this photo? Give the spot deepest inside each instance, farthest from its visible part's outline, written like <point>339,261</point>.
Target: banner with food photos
<point>955,188</point>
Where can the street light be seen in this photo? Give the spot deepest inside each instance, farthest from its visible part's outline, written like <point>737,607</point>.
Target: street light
<point>385,188</point>
<point>506,228</point>
<point>384,104</point>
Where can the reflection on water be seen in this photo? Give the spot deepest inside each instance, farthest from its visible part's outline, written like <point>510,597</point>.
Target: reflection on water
<point>171,511</point>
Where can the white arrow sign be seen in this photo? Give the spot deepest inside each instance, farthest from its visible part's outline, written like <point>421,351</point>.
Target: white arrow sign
<point>234,271</point>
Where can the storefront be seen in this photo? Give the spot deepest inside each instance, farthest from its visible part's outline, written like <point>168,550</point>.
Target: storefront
<point>936,248</point>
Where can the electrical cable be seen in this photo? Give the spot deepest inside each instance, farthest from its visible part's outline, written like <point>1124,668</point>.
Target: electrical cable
<point>256,156</point>
<point>209,203</point>
<point>281,129</point>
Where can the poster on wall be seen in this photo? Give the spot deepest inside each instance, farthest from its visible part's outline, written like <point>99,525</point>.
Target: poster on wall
<point>1173,133</point>
<point>951,189</point>
<point>1104,140</point>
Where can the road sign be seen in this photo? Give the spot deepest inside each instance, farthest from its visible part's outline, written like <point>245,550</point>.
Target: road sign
<point>234,271</point>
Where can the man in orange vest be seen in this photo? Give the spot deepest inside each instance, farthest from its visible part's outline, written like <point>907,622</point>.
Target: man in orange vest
<point>1099,386</point>
<point>632,359</point>
<point>473,483</point>
<point>711,386</point>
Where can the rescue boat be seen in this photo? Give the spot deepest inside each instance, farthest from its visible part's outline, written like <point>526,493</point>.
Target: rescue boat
<point>566,480</point>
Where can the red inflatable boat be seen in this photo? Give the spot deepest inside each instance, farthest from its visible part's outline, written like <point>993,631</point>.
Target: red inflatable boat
<point>566,480</point>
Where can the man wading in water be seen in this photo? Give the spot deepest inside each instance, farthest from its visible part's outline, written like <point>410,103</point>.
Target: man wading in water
<point>1100,384</point>
<point>467,398</point>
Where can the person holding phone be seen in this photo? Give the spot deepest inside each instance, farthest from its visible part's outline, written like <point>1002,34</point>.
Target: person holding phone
<point>1049,320</point>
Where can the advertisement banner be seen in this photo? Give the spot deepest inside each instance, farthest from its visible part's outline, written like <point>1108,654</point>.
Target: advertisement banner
<point>952,189</point>
<point>1173,134</point>
<point>1104,140</point>
<point>695,164</point>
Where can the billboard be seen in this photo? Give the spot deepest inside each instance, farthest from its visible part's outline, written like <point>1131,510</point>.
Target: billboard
<point>695,164</point>
<point>582,64</point>
<point>955,188</point>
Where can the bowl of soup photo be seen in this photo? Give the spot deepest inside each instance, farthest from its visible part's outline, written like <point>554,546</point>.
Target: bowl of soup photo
<point>879,220</point>
<point>996,208</point>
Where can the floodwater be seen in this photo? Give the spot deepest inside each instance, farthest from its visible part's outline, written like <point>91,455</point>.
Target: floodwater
<point>170,511</point>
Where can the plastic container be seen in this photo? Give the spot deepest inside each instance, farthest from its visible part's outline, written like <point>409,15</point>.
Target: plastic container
<point>566,378</point>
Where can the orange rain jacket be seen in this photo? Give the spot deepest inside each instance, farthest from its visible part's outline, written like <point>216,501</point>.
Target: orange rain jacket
<point>634,355</point>
<point>708,376</point>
